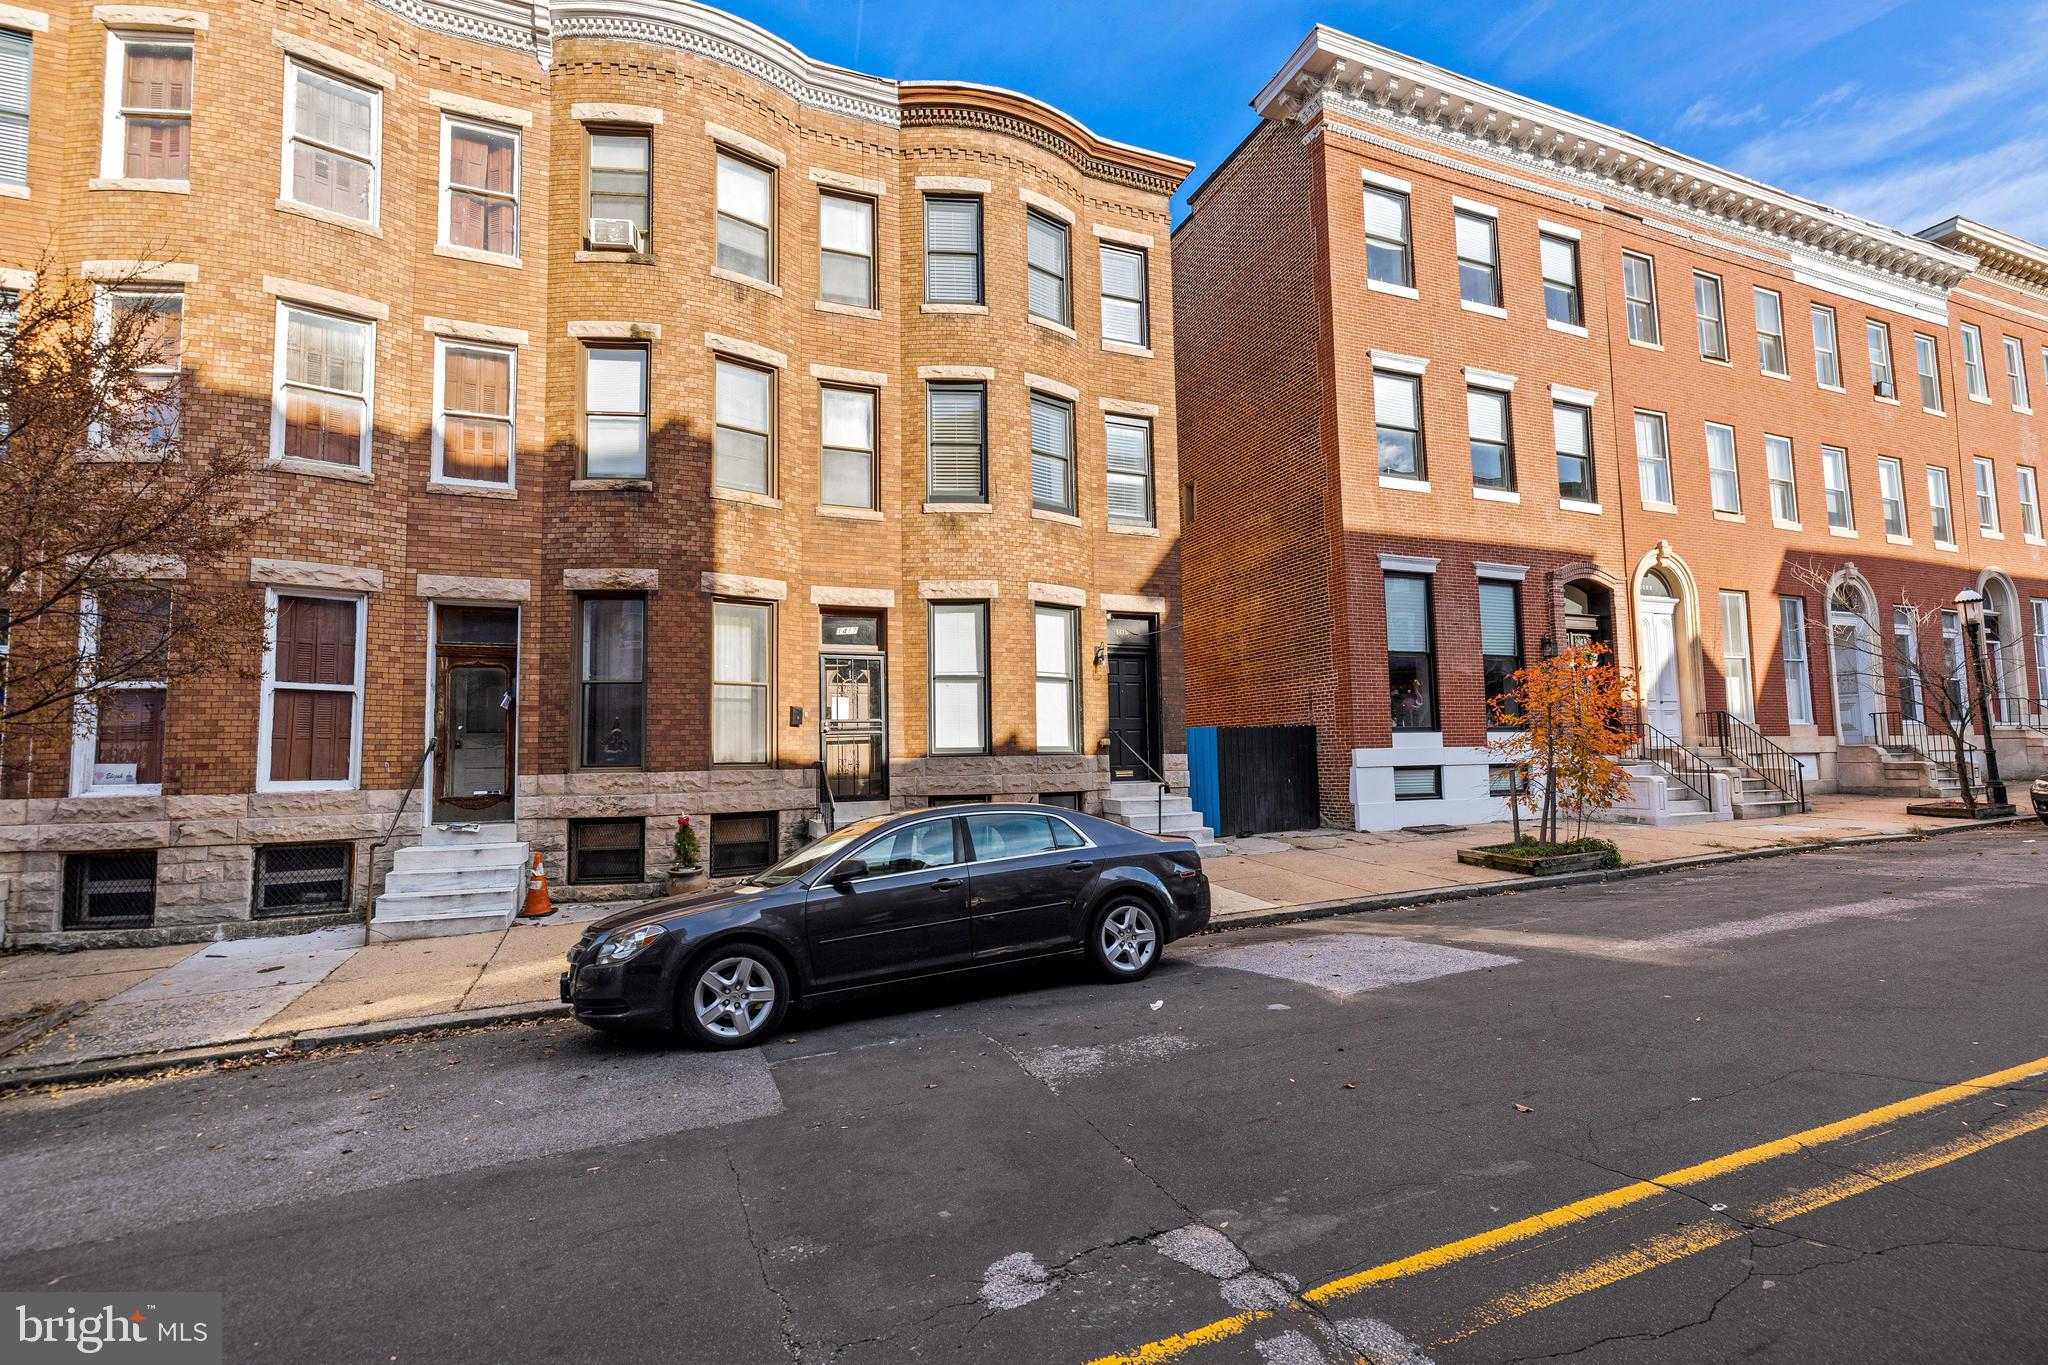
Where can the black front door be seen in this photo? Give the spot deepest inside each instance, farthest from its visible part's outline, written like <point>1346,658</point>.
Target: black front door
<point>476,657</point>
<point>908,916</point>
<point>1025,884</point>
<point>1133,698</point>
<point>853,726</point>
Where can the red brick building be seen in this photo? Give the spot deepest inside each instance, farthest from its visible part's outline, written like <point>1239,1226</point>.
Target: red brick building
<point>1461,374</point>
<point>653,415</point>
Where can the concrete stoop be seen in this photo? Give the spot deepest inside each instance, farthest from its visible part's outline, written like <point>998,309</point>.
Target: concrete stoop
<point>1142,805</point>
<point>1751,797</point>
<point>464,879</point>
<point>1660,799</point>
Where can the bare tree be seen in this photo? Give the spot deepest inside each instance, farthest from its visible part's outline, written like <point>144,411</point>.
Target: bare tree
<point>118,520</point>
<point>1922,653</point>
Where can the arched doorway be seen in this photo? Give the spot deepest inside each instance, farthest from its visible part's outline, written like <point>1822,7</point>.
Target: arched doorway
<point>1853,658</point>
<point>1657,605</point>
<point>2004,653</point>
<point>1589,615</point>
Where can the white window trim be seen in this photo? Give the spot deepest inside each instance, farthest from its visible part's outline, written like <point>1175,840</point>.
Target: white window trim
<point>1995,528</point>
<point>277,382</point>
<point>511,353</point>
<point>1072,679</point>
<point>1798,704</point>
<point>293,65</point>
<point>86,727</point>
<point>113,146</point>
<point>1784,343</point>
<point>448,122</point>
<point>263,720</point>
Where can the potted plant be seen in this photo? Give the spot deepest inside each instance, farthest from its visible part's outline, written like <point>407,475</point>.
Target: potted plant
<point>687,872</point>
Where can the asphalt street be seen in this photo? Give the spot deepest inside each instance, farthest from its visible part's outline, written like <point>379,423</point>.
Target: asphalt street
<point>1793,1109</point>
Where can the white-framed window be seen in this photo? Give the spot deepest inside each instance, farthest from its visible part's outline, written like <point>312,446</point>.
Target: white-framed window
<point>1389,255</point>
<point>1124,308</point>
<point>620,188</point>
<point>1986,476</point>
<point>1798,674</point>
<point>1052,454</point>
<point>1736,677</point>
<point>956,442</point>
<point>959,681</point>
<point>117,745</point>
<point>1891,494</point>
<point>479,186</point>
<point>1712,320</point>
<point>2040,609</point>
<point>1057,648</point>
<point>1571,428</point>
<point>1046,269</point>
<point>1940,521</point>
<point>746,217</point>
<point>2030,502</point>
<point>148,112</point>
<point>474,399</point>
<point>846,249</point>
<point>154,315</point>
<point>1827,351</point>
<point>1560,260</point>
<point>1906,660</point>
<point>1478,239</point>
<point>1784,480</point>
<point>321,400</point>
<point>741,693</point>
<point>1397,425</point>
<point>1653,460</point>
<point>743,435</point>
<point>311,719</point>
<point>614,412</point>
<point>846,462</point>
<point>1927,362</point>
<point>1721,476</point>
<point>1127,442</point>
<point>333,140</point>
<point>1973,362</point>
<point>1878,339</point>
<point>952,248</point>
<point>2016,374</point>
<point>16,57</point>
<point>1952,654</point>
<point>1770,331</point>
<point>1490,431</point>
<point>1834,482</point>
<point>1639,288</point>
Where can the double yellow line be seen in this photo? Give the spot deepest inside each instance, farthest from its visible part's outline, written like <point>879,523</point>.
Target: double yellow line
<point>1658,1251</point>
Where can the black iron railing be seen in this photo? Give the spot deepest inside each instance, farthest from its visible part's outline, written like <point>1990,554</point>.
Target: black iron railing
<point>2034,715</point>
<point>1159,778</point>
<point>404,798</point>
<point>1900,732</point>
<point>825,799</point>
<point>1668,752</point>
<point>1743,744</point>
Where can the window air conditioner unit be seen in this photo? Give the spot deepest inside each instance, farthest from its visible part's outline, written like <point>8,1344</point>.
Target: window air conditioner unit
<point>1884,389</point>
<point>614,232</point>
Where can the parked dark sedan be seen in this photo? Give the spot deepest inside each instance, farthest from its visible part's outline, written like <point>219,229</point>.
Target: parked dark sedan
<point>891,899</point>
<point>2041,798</point>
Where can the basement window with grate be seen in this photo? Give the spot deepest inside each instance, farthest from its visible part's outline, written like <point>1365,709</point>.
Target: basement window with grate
<point>303,879</point>
<point>110,890</point>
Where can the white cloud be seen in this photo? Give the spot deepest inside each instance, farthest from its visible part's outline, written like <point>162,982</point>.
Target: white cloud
<point>2005,186</point>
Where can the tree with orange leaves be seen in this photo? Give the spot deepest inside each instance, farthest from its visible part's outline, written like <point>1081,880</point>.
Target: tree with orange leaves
<point>1566,718</point>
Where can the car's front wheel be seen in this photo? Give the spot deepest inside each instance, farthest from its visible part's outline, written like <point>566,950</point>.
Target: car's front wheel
<point>1125,939</point>
<point>732,997</point>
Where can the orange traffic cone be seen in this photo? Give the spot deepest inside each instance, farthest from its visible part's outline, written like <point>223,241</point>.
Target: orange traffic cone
<point>538,906</point>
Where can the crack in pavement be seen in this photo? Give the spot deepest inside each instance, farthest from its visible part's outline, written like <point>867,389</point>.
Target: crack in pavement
<point>791,1342</point>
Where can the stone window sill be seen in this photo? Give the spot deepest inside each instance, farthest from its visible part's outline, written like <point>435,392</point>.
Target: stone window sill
<point>1591,509</point>
<point>1507,495</point>
<point>1404,484</point>
<point>1120,529</point>
<point>1049,325</point>
<point>450,488</point>
<point>329,217</point>
<point>470,253</point>
<point>745,496</point>
<point>952,308</point>
<point>1048,514</point>
<point>734,277</point>
<point>1127,348</point>
<point>318,469</point>
<point>944,507</point>
<point>846,309</point>
<point>611,485</point>
<point>122,182</point>
<point>851,513</point>
<point>616,257</point>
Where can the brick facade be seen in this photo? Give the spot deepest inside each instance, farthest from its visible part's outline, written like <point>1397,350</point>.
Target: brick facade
<point>695,81</point>
<point>1280,328</point>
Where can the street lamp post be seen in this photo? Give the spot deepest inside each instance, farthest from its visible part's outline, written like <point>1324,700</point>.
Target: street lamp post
<point>1970,603</point>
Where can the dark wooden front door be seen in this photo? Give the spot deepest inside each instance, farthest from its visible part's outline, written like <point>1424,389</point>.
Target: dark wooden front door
<point>476,675</point>
<point>1133,699</point>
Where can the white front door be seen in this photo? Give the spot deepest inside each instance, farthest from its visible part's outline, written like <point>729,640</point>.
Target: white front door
<point>1659,637</point>
<point>1853,701</point>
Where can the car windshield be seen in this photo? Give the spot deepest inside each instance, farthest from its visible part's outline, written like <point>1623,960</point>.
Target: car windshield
<point>810,855</point>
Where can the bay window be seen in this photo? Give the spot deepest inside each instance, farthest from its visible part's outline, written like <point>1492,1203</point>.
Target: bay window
<point>479,187</point>
<point>148,133</point>
<point>332,135</point>
<point>320,410</point>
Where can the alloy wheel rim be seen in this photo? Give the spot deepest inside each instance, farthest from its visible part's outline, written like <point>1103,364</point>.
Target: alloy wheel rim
<point>733,997</point>
<point>1128,938</point>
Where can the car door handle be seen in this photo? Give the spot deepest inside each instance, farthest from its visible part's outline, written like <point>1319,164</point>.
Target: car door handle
<point>948,883</point>
<point>1080,864</point>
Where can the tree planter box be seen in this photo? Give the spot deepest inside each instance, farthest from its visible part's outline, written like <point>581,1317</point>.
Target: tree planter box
<point>1545,865</point>
<point>1956,810</point>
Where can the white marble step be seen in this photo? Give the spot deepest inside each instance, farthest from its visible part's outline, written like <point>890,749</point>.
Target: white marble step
<point>1174,822</point>
<point>422,857</point>
<point>451,888</point>
<point>1119,807</point>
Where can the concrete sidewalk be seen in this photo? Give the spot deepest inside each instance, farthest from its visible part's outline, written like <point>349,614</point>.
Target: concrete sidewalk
<point>124,1002</point>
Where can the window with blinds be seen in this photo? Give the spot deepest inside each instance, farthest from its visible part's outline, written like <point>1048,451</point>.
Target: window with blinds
<point>1052,454</point>
<point>1639,289</point>
<point>1735,666</point>
<point>1770,330</point>
<point>1500,641</point>
<point>1784,480</point>
<point>959,682</point>
<point>621,166</point>
<point>1411,663</point>
<point>1707,312</point>
<point>956,464</point>
<point>1938,515</point>
<point>151,136</point>
<point>480,187</point>
<point>1128,444</point>
<point>1418,784</point>
<point>315,691</point>
<point>1123,295</point>
<point>331,140</point>
<point>322,403</point>
<point>743,440</point>
<point>1486,415</point>
<point>473,419</point>
<point>1387,259</point>
<point>1560,260</point>
<point>1045,260</point>
<point>1653,460</point>
<point>1723,485</point>
<point>615,412</point>
<point>1478,243</point>
<point>1397,424</point>
<point>1572,426</point>
<point>952,248</point>
<point>1834,482</point>
<point>1891,494</point>
<point>15,52</point>
<point>846,464</point>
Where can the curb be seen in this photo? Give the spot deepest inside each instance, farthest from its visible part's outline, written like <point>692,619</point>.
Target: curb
<point>1401,900</point>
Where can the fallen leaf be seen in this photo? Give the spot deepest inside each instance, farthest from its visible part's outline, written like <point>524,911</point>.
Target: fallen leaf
<point>1523,1109</point>
<point>1349,1086</point>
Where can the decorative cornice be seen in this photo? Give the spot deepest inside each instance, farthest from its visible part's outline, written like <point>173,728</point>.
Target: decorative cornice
<point>1333,73</point>
<point>961,104</point>
<point>2000,255</point>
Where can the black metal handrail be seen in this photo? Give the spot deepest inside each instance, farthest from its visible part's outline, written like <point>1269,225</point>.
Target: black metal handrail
<point>1655,746</point>
<point>2034,715</point>
<point>1742,743</point>
<point>1159,810</point>
<point>1932,744</point>
<point>825,806</point>
<point>404,797</point>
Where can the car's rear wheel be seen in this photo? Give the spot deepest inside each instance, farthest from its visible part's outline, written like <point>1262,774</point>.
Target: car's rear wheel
<point>1124,940</point>
<point>732,996</point>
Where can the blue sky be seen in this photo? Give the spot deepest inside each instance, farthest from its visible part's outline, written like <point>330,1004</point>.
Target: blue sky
<point>1905,111</point>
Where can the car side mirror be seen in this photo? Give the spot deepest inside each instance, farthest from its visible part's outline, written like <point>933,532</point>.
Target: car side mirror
<point>853,869</point>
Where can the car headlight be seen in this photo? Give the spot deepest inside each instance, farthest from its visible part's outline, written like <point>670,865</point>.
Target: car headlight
<point>628,944</point>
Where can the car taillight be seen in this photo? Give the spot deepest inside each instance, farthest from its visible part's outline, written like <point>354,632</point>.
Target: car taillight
<point>1186,872</point>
